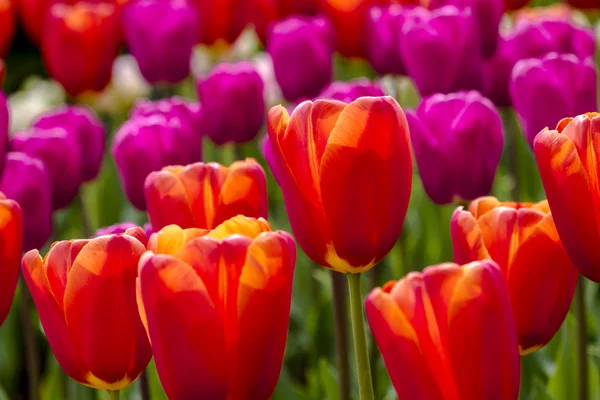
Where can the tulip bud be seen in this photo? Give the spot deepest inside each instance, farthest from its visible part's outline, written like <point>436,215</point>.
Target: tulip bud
<point>85,125</point>
<point>11,237</point>
<point>233,105</point>
<point>60,152</point>
<point>522,239</point>
<point>205,195</point>
<point>160,35</point>
<point>84,292</point>
<point>458,142</point>
<point>441,49</point>
<point>216,307</point>
<point>448,333</point>
<point>80,43</point>
<point>321,154</point>
<point>26,180</point>
<point>146,144</point>
<point>301,49</point>
<point>222,20</point>
<point>568,162</point>
<point>384,26</point>
<point>540,96</point>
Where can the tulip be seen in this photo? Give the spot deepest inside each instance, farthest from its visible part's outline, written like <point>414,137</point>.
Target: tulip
<point>522,239</point>
<point>216,307</point>
<point>384,25</point>
<point>31,16</point>
<point>115,229</point>
<point>220,21</point>
<point>146,144</point>
<point>26,180</point>
<point>568,163</point>
<point>233,105</point>
<point>441,49</point>
<point>11,234</point>
<point>458,142</point>
<point>205,195</point>
<point>321,155</point>
<point>266,12</point>
<point>539,94</point>
<point>301,49</point>
<point>84,292</point>
<point>448,333</point>
<point>4,128</point>
<point>60,152</point>
<point>85,125</point>
<point>163,50</point>
<point>7,25</point>
<point>349,91</point>
<point>80,43</point>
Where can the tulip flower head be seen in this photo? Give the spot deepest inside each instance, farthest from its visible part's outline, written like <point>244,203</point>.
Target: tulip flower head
<point>220,21</point>
<point>567,158</point>
<point>205,195</point>
<point>11,237</point>
<point>458,143</point>
<point>448,333</point>
<point>84,291</point>
<point>216,305</point>
<point>384,26</point>
<point>522,239</point>
<point>346,173</point>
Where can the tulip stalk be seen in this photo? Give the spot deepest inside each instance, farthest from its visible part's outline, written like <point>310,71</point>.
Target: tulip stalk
<point>114,394</point>
<point>582,357</point>
<point>365,383</point>
<point>341,334</point>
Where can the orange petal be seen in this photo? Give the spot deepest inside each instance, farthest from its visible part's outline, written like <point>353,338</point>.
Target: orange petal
<point>11,246</point>
<point>202,183</point>
<point>240,225</point>
<point>171,239</point>
<point>481,205</point>
<point>138,233</point>
<point>57,265</point>
<point>167,201</point>
<point>467,239</point>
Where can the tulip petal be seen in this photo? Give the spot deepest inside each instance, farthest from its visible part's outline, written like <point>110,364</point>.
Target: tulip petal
<point>467,239</point>
<point>11,246</point>
<point>167,201</point>
<point>240,225</point>
<point>58,264</point>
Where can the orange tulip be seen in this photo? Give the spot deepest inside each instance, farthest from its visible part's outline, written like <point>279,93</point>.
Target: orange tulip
<point>522,239</point>
<point>205,195</point>
<point>216,306</point>
<point>11,237</point>
<point>569,162</point>
<point>346,173</point>
<point>448,333</point>
<point>84,291</point>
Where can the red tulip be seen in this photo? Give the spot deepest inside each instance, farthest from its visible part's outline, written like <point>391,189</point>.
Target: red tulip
<point>220,20</point>
<point>522,239</point>
<point>11,237</point>
<point>216,307</point>
<point>7,25</point>
<point>448,333</point>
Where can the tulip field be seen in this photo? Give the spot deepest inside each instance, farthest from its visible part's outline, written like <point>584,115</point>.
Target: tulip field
<point>299,200</point>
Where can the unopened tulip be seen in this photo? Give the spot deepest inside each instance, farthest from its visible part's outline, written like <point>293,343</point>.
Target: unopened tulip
<point>335,160</point>
<point>216,307</point>
<point>540,96</point>
<point>160,35</point>
<point>146,144</point>
<point>441,49</point>
<point>522,239</point>
<point>384,26</point>
<point>26,180</point>
<point>220,20</point>
<point>233,104</point>
<point>302,52</point>
<point>11,236</point>
<point>568,162</point>
<point>205,195</point>
<point>348,91</point>
<point>87,128</point>
<point>60,151</point>
<point>84,292</point>
<point>7,25</point>
<point>448,333</point>
<point>458,143</point>
<point>80,43</point>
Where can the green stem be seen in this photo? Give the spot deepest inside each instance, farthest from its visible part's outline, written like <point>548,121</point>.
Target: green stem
<point>582,357</point>
<point>114,394</point>
<point>340,316</point>
<point>365,384</point>
<point>144,385</point>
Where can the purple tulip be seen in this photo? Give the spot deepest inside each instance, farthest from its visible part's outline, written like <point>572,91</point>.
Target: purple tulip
<point>351,90</point>
<point>301,48</point>
<point>160,34</point>
<point>383,31</point>
<point>233,104</point>
<point>458,142</point>
<point>146,144</point>
<point>82,122</point>
<point>532,38</point>
<point>267,151</point>
<point>26,180</point>
<point>115,229</point>
<point>441,49</point>
<point>60,152</point>
<point>187,113</point>
<point>546,90</point>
